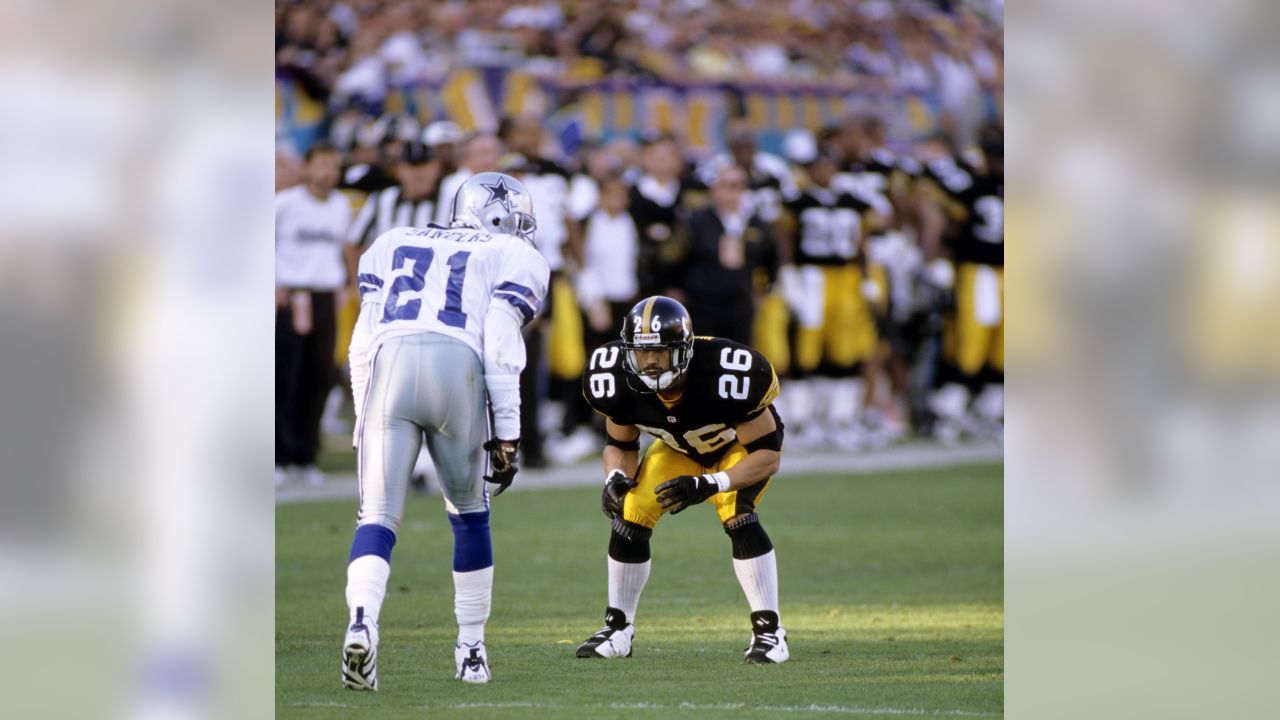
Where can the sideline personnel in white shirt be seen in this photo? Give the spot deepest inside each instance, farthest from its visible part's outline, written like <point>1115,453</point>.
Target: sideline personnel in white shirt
<point>311,224</point>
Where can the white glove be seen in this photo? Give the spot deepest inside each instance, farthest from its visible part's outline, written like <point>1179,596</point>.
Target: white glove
<point>871,290</point>
<point>789,285</point>
<point>940,273</point>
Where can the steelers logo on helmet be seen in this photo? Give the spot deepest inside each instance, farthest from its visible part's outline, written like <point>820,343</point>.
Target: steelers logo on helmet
<point>657,323</point>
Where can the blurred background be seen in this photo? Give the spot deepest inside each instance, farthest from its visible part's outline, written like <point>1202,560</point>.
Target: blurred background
<point>853,149</point>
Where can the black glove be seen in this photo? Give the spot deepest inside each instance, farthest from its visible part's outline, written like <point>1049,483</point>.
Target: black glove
<point>680,492</point>
<point>502,463</point>
<point>616,487</point>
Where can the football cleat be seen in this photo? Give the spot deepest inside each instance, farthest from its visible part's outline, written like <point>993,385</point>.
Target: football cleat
<point>768,641</point>
<point>611,641</point>
<point>360,655</point>
<point>472,662</point>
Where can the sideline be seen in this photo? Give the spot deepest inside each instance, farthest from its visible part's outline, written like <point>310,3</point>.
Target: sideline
<point>908,455</point>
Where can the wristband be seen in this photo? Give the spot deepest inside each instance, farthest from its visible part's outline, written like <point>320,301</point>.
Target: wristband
<point>721,479</point>
<point>616,471</point>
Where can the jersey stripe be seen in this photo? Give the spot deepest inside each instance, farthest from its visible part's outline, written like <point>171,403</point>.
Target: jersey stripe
<point>524,299</point>
<point>772,392</point>
<point>526,311</point>
<point>517,288</point>
<point>368,283</point>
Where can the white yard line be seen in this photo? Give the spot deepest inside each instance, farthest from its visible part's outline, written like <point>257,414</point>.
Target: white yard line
<point>836,709</point>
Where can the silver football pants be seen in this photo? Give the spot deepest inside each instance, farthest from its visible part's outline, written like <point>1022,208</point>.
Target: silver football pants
<point>422,386</point>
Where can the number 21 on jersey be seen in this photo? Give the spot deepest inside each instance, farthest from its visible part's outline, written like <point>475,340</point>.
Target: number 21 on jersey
<point>421,257</point>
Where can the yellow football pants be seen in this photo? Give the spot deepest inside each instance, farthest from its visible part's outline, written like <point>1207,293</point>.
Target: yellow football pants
<point>661,463</point>
<point>848,330</point>
<point>770,332</point>
<point>979,321</point>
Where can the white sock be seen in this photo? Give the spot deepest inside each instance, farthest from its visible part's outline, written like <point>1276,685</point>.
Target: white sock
<point>367,585</point>
<point>759,579</point>
<point>472,595</point>
<point>950,402</point>
<point>799,402</point>
<point>989,405</point>
<point>626,581</point>
<point>844,400</point>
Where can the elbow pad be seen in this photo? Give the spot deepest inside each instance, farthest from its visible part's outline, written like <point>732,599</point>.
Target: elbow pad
<point>771,441</point>
<point>624,445</point>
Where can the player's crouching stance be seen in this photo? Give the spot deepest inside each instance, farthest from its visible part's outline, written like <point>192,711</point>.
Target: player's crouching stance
<point>436,344</point>
<point>708,401</point>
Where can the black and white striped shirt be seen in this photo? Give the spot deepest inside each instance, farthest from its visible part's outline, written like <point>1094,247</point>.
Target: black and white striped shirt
<point>384,210</point>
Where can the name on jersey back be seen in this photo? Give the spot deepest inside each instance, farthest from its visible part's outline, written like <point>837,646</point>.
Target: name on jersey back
<point>451,235</point>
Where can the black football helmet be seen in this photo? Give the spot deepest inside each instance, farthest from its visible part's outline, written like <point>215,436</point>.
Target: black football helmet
<point>658,323</point>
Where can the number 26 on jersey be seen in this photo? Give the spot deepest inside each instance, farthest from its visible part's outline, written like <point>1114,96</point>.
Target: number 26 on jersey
<point>735,387</point>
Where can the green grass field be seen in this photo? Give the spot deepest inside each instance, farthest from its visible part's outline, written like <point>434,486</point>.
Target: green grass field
<point>891,592</point>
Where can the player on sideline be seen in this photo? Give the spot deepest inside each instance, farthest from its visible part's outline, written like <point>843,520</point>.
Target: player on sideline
<point>440,317</point>
<point>709,402</point>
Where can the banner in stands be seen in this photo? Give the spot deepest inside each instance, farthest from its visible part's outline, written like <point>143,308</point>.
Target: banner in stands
<point>602,110</point>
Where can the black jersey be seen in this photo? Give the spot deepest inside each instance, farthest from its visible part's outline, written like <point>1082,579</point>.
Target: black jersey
<point>727,384</point>
<point>879,175</point>
<point>659,219</point>
<point>655,214</point>
<point>953,176</point>
<point>981,239</point>
<point>828,227</point>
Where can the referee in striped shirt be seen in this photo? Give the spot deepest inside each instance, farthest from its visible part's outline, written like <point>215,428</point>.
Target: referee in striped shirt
<point>410,202</point>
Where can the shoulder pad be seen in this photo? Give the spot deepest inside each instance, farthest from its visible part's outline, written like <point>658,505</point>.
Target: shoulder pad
<point>751,383</point>
<point>604,380</point>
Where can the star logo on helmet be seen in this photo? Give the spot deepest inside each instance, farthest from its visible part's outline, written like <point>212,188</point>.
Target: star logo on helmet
<point>498,193</point>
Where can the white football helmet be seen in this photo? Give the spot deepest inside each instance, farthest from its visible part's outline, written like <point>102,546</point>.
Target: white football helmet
<point>495,203</point>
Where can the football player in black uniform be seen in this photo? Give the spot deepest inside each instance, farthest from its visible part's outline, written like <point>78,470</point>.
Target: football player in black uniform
<point>709,403</point>
<point>971,398</point>
<point>836,330</point>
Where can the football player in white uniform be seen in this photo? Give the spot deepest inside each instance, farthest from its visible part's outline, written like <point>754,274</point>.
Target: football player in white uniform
<point>439,329</point>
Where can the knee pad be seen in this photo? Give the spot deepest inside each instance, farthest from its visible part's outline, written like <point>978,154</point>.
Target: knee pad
<point>372,539</point>
<point>629,542</point>
<point>472,546</point>
<point>747,536</point>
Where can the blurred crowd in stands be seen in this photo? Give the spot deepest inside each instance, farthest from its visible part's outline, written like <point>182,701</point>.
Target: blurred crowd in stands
<point>865,260</point>
<point>359,47</point>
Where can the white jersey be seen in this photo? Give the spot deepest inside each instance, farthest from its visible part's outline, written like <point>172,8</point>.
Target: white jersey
<point>439,280</point>
<point>309,236</point>
<point>550,192</point>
